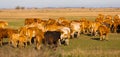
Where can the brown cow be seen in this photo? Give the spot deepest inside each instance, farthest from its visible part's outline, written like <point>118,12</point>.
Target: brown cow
<point>85,25</point>
<point>22,39</point>
<point>3,24</point>
<point>100,18</point>
<point>31,32</point>
<point>51,38</point>
<point>116,23</point>
<point>29,21</point>
<point>108,22</point>
<point>103,32</point>
<point>39,38</point>
<point>17,39</point>
<point>14,39</point>
<point>6,33</point>
<point>94,27</point>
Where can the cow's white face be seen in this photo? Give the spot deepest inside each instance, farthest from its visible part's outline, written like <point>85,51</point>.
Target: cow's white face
<point>65,32</point>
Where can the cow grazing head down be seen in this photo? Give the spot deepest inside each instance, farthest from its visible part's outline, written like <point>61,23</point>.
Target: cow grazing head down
<point>103,32</point>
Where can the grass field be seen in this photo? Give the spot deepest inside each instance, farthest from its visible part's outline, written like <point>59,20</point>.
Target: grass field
<point>83,46</point>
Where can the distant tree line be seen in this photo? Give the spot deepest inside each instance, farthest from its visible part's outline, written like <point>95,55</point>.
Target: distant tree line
<point>21,7</point>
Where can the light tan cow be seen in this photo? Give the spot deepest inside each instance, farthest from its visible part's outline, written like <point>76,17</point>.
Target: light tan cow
<point>75,26</point>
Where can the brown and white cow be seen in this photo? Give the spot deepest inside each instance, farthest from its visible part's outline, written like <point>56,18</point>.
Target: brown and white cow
<point>65,35</point>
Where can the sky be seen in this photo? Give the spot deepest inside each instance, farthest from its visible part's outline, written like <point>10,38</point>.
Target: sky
<point>59,3</point>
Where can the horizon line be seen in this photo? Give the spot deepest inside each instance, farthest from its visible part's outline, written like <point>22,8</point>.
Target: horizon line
<point>56,7</point>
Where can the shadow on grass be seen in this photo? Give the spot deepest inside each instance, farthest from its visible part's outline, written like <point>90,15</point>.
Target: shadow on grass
<point>98,39</point>
<point>5,43</point>
<point>88,34</point>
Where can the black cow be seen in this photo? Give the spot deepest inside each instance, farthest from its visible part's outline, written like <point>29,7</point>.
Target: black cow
<point>52,38</point>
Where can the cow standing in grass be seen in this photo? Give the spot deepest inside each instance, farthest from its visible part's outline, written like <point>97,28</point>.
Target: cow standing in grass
<point>51,38</point>
<point>3,24</point>
<point>103,32</point>
<point>6,33</point>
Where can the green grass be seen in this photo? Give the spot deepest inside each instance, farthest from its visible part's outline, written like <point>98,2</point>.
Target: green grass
<point>83,46</point>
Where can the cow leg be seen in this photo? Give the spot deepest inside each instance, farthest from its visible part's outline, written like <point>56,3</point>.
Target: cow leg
<point>38,46</point>
<point>59,41</point>
<point>72,34</point>
<point>83,31</point>
<point>14,43</point>
<point>78,34</point>
<point>92,33</point>
<point>0,42</point>
<point>26,44</point>
<point>35,41</point>
<point>55,45</point>
<point>101,38</point>
<point>9,41</point>
<point>115,29</point>
<point>30,41</point>
<point>67,41</point>
<point>106,37</point>
<point>21,44</point>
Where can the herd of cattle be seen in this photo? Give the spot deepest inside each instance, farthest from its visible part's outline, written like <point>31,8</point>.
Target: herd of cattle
<point>54,32</point>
